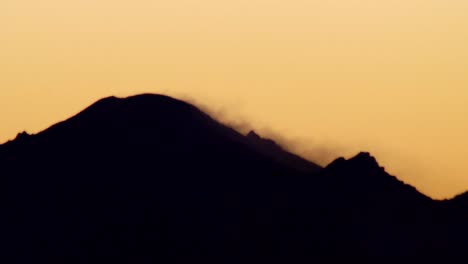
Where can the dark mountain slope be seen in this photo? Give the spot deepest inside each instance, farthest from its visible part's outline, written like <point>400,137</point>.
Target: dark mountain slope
<point>139,166</point>
<point>150,178</point>
<point>275,152</point>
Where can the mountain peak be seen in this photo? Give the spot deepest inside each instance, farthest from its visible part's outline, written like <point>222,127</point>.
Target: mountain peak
<point>154,120</point>
<point>140,101</point>
<point>365,159</point>
<point>253,135</point>
<point>157,171</point>
<point>23,135</point>
<point>145,112</point>
<point>363,164</point>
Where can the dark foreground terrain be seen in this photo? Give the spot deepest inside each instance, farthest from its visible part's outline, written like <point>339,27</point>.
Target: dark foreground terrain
<point>150,179</point>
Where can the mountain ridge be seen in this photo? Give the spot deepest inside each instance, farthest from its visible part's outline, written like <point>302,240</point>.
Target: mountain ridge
<point>153,178</point>
<point>165,103</point>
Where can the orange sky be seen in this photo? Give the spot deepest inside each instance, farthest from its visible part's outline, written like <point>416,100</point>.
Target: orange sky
<point>332,77</point>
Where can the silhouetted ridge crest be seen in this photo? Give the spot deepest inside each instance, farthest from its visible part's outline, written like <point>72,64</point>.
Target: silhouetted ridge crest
<point>134,118</point>
<point>364,179</point>
<point>149,176</point>
<point>460,200</point>
<point>264,141</point>
<point>146,102</point>
<point>156,120</point>
<point>363,161</point>
<point>253,135</point>
<point>276,152</point>
<point>22,136</point>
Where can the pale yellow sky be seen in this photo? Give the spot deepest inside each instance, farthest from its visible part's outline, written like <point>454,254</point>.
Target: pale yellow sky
<point>332,77</point>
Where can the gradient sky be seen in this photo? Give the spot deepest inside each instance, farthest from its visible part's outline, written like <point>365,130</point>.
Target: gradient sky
<point>331,77</point>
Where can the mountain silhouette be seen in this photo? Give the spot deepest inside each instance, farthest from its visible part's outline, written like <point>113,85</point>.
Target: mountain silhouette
<point>272,150</point>
<point>149,179</point>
